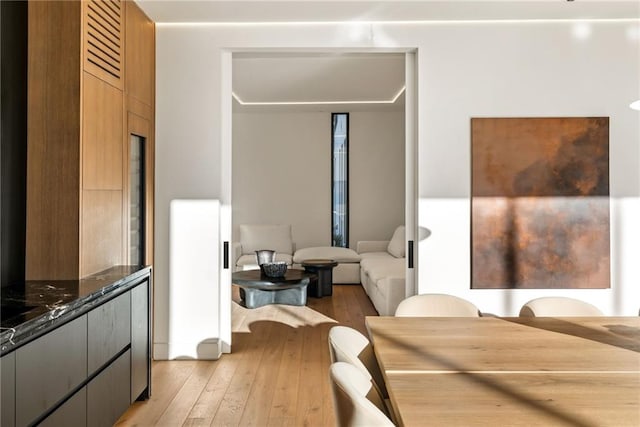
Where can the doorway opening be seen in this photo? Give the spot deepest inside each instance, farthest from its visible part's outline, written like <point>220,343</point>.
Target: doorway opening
<point>275,138</point>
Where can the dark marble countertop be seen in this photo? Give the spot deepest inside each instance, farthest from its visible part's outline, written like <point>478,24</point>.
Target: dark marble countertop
<point>32,308</point>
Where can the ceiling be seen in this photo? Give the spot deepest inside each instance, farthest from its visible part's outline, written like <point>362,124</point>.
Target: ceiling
<point>292,80</point>
<point>320,82</point>
<point>246,11</point>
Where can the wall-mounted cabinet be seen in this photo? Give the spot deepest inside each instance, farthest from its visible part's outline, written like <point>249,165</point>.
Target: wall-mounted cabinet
<point>102,42</point>
<point>90,62</point>
<point>140,137</point>
<point>140,59</point>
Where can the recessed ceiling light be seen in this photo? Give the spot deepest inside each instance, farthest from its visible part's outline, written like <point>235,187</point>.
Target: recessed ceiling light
<point>384,101</point>
<point>404,22</point>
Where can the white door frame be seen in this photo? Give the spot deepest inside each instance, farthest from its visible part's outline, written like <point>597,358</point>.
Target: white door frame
<point>411,169</point>
<point>226,178</point>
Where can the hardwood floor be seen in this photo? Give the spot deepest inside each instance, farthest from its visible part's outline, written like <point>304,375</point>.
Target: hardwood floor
<point>276,375</point>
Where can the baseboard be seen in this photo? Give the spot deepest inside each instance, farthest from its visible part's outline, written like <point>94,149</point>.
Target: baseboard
<point>160,351</point>
<point>206,350</point>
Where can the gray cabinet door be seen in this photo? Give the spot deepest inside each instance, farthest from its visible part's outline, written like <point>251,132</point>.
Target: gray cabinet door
<point>49,368</point>
<point>139,339</point>
<point>72,413</point>
<point>108,393</point>
<point>109,331</point>
<point>8,391</point>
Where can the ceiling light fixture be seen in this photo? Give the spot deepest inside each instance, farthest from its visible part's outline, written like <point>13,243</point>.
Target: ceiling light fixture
<point>407,22</point>
<point>390,101</point>
<point>635,105</point>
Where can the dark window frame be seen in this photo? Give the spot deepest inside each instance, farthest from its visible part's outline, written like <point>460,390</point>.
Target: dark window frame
<point>142,141</point>
<point>345,242</point>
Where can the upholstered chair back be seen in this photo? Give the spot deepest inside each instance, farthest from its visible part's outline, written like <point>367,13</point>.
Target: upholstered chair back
<point>436,305</point>
<point>349,345</point>
<point>356,400</point>
<point>558,307</point>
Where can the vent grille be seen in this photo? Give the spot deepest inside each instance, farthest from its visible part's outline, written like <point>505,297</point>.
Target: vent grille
<point>103,38</point>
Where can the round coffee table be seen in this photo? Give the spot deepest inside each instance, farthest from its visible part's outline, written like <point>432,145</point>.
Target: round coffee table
<point>257,290</point>
<point>324,269</point>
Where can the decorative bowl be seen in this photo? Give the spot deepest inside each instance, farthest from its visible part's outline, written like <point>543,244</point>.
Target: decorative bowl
<point>274,269</point>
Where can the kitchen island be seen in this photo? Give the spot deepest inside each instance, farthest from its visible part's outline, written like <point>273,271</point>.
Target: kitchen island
<point>75,352</point>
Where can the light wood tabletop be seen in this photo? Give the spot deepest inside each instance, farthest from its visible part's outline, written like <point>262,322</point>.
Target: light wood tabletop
<point>506,344</point>
<point>510,371</point>
<point>522,399</point>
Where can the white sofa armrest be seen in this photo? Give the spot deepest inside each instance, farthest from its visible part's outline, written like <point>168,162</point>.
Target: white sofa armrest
<point>372,246</point>
<point>236,247</point>
<point>394,290</point>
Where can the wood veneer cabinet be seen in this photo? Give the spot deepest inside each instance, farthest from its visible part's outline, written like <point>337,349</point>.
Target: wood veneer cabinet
<point>140,58</point>
<point>91,64</point>
<point>140,122</point>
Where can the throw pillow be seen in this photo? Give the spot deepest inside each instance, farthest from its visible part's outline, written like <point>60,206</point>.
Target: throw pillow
<point>397,243</point>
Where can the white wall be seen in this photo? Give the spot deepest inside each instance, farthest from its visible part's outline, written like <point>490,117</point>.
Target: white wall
<point>194,328</point>
<point>465,70</point>
<point>188,151</point>
<point>376,173</point>
<point>525,71</point>
<point>282,173</point>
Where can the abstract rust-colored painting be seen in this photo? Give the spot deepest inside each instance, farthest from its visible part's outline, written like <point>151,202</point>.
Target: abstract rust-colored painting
<point>540,203</point>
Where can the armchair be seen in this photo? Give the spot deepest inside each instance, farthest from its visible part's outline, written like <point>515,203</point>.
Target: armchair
<point>256,237</point>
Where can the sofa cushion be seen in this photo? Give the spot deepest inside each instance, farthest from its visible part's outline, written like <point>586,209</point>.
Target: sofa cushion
<point>273,237</point>
<point>384,268</point>
<point>341,255</point>
<point>397,242</point>
<point>375,255</point>
<point>364,246</point>
<point>346,272</point>
<point>387,294</point>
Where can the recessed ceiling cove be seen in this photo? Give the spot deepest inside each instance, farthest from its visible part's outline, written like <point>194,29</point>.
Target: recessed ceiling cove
<point>318,78</point>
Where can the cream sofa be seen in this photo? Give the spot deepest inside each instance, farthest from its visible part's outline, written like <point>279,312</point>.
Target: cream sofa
<point>257,237</point>
<point>379,265</point>
<point>348,269</point>
<point>383,271</point>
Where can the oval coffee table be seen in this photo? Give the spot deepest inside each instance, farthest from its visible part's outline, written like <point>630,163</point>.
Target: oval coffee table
<point>257,290</point>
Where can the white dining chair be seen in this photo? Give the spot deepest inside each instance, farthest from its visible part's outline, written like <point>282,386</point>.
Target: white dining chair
<point>349,345</point>
<point>436,305</point>
<point>356,400</point>
<point>558,307</point>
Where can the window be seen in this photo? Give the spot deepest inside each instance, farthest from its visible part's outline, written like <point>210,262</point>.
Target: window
<point>339,179</point>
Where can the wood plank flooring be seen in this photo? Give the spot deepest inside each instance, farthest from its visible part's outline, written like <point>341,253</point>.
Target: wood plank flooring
<point>277,374</point>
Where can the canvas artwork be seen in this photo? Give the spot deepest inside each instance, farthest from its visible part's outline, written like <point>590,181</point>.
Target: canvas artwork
<point>540,203</point>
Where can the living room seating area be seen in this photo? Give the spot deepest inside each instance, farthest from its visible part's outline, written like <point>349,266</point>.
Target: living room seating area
<point>378,265</point>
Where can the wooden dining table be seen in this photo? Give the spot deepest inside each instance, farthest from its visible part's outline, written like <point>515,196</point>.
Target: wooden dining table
<point>571,371</point>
